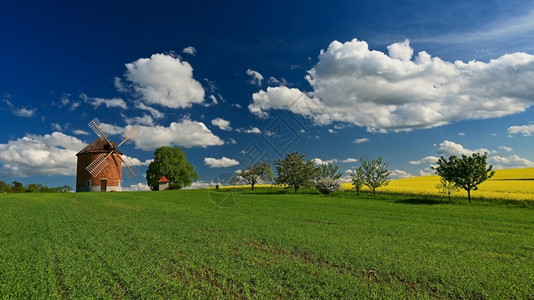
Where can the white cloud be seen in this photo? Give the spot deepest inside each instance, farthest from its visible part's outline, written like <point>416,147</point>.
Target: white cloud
<point>50,154</point>
<point>368,88</point>
<point>21,111</point>
<point>448,148</point>
<point>190,50</point>
<point>222,124</point>
<point>362,140</point>
<point>140,187</point>
<point>525,130</point>
<point>144,120</point>
<point>506,148</point>
<point>153,112</point>
<point>185,133</point>
<point>164,80</point>
<point>349,160</point>
<point>514,161</point>
<point>135,161</point>
<point>253,130</point>
<point>80,132</point>
<point>256,79</point>
<point>223,162</point>
<point>398,174</point>
<point>332,131</point>
<point>426,160</point>
<point>319,161</point>
<point>200,185</point>
<point>96,102</point>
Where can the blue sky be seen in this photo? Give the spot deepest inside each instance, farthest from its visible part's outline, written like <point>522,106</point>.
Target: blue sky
<point>234,83</point>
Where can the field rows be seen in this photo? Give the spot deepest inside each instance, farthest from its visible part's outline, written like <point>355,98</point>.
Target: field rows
<point>271,244</point>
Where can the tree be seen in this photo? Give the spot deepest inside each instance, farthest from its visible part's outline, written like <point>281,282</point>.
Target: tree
<point>327,180</point>
<point>4,187</point>
<point>295,171</point>
<point>375,173</point>
<point>357,180</point>
<point>256,172</point>
<point>328,171</point>
<point>466,172</point>
<point>171,163</point>
<point>17,187</point>
<point>446,187</point>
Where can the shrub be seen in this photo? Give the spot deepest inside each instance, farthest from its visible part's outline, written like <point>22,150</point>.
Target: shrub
<point>327,185</point>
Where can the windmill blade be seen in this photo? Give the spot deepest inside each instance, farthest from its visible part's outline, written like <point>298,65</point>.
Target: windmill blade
<point>131,135</point>
<point>100,132</point>
<point>129,165</point>
<point>97,165</point>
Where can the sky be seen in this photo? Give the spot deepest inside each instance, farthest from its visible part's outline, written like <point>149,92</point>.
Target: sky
<point>238,82</point>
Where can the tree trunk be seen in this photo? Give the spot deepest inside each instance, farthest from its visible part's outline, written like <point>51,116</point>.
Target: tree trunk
<point>296,188</point>
<point>469,195</point>
<point>252,186</point>
<point>374,192</point>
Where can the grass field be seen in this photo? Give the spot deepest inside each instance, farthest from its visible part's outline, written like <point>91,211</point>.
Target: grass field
<point>271,244</point>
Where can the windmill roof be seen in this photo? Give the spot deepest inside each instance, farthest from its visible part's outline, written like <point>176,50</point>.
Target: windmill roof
<point>163,179</point>
<point>98,146</point>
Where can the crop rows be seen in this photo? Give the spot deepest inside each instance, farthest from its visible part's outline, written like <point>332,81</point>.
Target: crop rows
<point>271,244</point>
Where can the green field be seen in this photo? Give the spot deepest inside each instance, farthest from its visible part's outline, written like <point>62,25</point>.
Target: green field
<point>179,244</point>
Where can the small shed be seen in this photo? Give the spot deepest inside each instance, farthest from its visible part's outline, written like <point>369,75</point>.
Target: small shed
<point>163,183</point>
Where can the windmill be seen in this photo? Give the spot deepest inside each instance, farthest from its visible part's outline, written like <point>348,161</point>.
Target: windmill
<point>100,163</point>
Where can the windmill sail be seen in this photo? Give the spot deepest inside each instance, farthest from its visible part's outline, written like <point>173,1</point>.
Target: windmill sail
<point>98,164</point>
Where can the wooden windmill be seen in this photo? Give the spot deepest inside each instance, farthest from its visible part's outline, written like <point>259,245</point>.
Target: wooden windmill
<point>100,163</point>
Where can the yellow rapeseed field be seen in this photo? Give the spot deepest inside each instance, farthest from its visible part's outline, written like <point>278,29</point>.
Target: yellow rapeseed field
<point>510,184</point>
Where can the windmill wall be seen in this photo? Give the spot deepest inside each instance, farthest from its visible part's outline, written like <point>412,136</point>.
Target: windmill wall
<point>112,174</point>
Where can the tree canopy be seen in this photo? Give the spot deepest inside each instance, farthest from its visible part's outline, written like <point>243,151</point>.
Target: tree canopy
<point>375,173</point>
<point>256,172</point>
<point>294,170</point>
<point>466,172</point>
<point>171,163</point>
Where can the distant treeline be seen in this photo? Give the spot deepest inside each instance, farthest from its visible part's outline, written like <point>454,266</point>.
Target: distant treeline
<point>17,187</point>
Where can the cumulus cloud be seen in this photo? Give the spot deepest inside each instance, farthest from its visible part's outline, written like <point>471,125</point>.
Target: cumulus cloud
<point>140,187</point>
<point>256,77</point>
<point>399,174</point>
<point>50,154</point>
<point>96,102</point>
<point>514,161</point>
<point>349,160</point>
<point>448,148</point>
<point>525,130</point>
<point>153,112</point>
<point>190,50</point>
<point>319,161</point>
<point>223,162</point>
<point>394,91</point>
<point>426,160</point>
<point>164,80</point>
<point>142,120</point>
<point>21,111</point>
<point>506,148</point>
<point>222,124</point>
<point>185,133</point>
<point>253,130</point>
<point>80,132</point>
<point>362,140</point>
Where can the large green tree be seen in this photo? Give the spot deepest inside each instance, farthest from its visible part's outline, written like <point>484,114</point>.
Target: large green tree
<point>294,170</point>
<point>256,172</point>
<point>466,172</point>
<point>171,163</point>
<point>375,173</point>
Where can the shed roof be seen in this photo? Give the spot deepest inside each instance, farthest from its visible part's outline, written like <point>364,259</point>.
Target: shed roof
<point>98,146</point>
<point>163,179</point>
